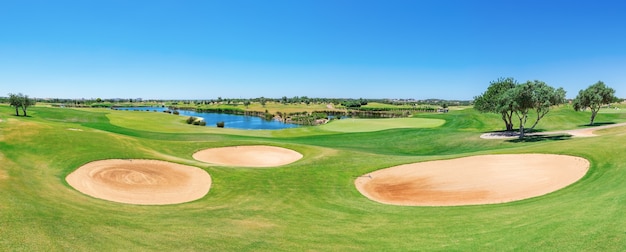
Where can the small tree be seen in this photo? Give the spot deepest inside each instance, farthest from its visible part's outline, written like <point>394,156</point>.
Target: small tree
<point>593,98</point>
<point>25,103</point>
<point>262,101</point>
<point>20,101</point>
<point>15,101</point>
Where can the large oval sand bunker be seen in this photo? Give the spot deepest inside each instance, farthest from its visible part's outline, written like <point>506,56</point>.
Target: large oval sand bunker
<point>249,156</point>
<point>487,179</point>
<point>138,181</point>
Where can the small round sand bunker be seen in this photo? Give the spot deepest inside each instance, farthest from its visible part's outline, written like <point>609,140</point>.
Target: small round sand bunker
<point>142,182</point>
<point>249,156</point>
<point>487,179</point>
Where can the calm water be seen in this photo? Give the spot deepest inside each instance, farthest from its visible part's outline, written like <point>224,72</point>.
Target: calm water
<point>230,121</point>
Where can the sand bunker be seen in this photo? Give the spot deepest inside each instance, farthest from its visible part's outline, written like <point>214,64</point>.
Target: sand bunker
<point>142,182</point>
<point>473,180</point>
<point>249,156</point>
<point>585,132</point>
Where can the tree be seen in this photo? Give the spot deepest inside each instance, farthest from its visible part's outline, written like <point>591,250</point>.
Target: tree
<point>544,98</point>
<point>20,101</point>
<point>494,100</point>
<point>522,102</point>
<point>26,102</point>
<point>262,101</point>
<point>593,98</point>
<point>15,101</point>
<point>534,95</point>
<point>508,98</point>
<point>246,103</point>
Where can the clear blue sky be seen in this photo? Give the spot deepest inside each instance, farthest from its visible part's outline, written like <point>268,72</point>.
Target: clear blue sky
<point>319,48</point>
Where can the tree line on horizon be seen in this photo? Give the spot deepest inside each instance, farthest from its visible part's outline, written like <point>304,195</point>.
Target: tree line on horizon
<point>351,102</point>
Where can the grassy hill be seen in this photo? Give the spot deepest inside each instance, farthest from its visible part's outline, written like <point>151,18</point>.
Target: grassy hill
<point>308,205</point>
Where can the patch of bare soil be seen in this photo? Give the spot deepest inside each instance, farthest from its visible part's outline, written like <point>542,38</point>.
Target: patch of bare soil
<point>476,180</point>
<point>249,156</point>
<point>139,181</point>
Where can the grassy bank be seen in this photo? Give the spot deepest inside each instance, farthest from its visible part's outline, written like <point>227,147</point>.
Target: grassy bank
<point>308,205</point>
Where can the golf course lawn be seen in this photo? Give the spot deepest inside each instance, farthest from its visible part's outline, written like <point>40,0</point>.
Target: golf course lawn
<point>365,125</point>
<point>311,204</point>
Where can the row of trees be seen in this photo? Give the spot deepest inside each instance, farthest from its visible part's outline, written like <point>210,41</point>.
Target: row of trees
<point>20,101</point>
<point>309,100</point>
<point>508,98</point>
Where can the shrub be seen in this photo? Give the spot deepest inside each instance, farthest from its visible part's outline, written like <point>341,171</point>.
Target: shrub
<point>190,120</point>
<point>220,124</point>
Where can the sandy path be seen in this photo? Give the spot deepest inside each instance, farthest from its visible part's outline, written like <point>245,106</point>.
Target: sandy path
<point>142,182</point>
<point>586,132</point>
<point>487,179</point>
<point>249,156</point>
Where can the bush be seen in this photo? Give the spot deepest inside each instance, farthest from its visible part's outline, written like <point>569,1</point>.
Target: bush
<point>190,120</point>
<point>220,124</point>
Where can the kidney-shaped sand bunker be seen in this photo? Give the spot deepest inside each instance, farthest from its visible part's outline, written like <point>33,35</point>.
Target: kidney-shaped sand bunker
<point>249,156</point>
<point>139,181</point>
<point>487,179</point>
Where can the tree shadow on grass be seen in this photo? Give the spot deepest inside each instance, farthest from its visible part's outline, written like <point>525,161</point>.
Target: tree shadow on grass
<point>596,124</point>
<point>541,138</point>
<point>21,116</point>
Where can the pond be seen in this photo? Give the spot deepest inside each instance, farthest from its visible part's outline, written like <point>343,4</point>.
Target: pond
<point>230,121</point>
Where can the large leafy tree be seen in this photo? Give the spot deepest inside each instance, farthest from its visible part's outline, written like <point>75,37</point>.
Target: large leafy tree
<point>522,97</point>
<point>534,96</point>
<point>507,98</point>
<point>593,98</point>
<point>544,98</point>
<point>494,100</point>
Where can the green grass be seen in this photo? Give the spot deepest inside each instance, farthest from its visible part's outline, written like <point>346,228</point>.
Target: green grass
<point>367,125</point>
<point>308,205</point>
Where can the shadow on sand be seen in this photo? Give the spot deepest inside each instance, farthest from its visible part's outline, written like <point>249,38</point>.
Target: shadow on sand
<point>540,138</point>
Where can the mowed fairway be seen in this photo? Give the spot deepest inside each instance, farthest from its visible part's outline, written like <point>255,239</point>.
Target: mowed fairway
<point>365,125</point>
<point>309,205</point>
